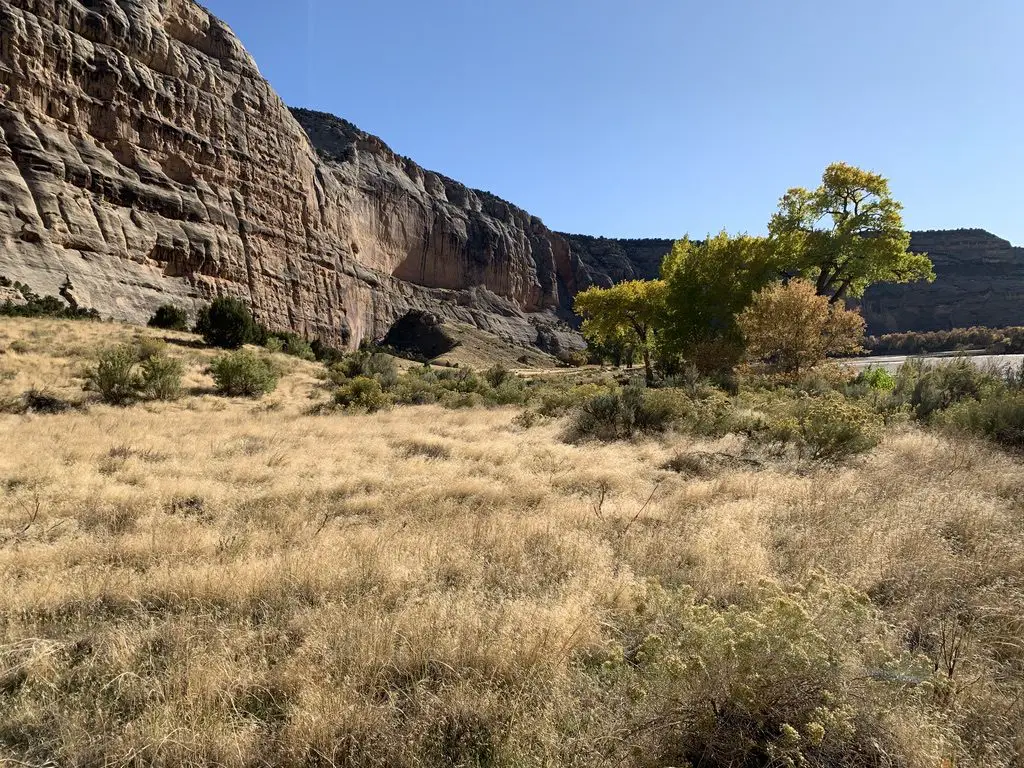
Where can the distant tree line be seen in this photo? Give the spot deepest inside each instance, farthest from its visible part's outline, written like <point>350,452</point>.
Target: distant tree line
<point>991,340</point>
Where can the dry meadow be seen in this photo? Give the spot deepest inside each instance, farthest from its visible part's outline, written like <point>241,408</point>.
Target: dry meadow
<point>221,582</point>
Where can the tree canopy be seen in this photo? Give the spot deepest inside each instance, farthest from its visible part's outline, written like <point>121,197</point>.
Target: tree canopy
<point>789,327</point>
<point>707,285</point>
<point>840,238</point>
<point>629,312</point>
<point>846,235</point>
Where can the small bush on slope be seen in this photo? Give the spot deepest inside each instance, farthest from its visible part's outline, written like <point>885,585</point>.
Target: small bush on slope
<point>161,377</point>
<point>362,393</point>
<point>169,318</point>
<point>131,372</point>
<point>621,414</point>
<point>114,376</point>
<point>373,365</point>
<point>997,417</point>
<point>227,323</point>
<point>243,374</point>
<point>927,388</point>
<point>787,678</point>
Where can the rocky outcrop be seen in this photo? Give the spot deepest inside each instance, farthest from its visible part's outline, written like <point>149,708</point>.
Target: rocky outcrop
<point>420,334</point>
<point>605,261</point>
<point>979,281</point>
<point>144,157</point>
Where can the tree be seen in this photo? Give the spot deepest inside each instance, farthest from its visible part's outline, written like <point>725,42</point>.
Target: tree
<point>170,318</point>
<point>707,285</point>
<point>628,313</point>
<point>226,323</point>
<point>791,328</point>
<point>846,235</point>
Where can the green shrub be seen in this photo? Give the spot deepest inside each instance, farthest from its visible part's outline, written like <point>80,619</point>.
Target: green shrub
<point>42,306</point>
<point>147,347</point>
<point>362,393</point>
<point>226,323</point>
<point>382,368</point>
<point>325,353</point>
<point>623,413</point>
<point>511,391</point>
<point>131,372</point>
<point>455,399</point>
<point>707,415</point>
<point>372,365</point>
<point>417,387</point>
<point>928,388</point>
<point>785,678</point>
<point>999,417</point>
<point>555,400</point>
<point>498,375</point>
<point>243,374</point>
<point>289,344</point>
<point>463,380</point>
<point>114,376</point>
<point>832,428</point>
<point>161,377</point>
<point>169,318</point>
<point>877,378</point>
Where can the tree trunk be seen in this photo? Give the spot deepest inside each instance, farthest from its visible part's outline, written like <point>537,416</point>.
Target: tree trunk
<point>648,368</point>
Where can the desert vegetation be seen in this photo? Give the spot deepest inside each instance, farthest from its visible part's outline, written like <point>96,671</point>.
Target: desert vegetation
<point>992,340</point>
<point>237,548</point>
<point>383,563</point>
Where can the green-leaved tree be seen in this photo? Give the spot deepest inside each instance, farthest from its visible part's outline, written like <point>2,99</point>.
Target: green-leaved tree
<point>630,313</point>
<point>707,285</point>
<point>846,235</point>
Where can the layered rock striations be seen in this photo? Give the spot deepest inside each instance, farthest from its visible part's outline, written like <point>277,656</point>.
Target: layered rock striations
<point>144,159</point>
<point>143,156</point>
<point>979,281</point>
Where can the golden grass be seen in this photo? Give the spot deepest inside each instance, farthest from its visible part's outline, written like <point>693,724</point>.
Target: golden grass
<point>237,583</point>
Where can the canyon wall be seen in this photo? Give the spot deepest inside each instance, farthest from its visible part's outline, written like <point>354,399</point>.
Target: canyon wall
<point>144,158</point>
<point>979,281</point>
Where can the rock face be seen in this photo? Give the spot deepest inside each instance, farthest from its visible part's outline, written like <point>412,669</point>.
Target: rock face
<point>143,156</point>
<point>144,159</point>
<point>422,334</point>
<point>979,281</point>
<point>605,261</point>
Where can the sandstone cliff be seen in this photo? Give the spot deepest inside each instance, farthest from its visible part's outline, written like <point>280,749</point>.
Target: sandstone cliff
<point>143,155</point>
<point>979,281</point>
<point>606,261</point>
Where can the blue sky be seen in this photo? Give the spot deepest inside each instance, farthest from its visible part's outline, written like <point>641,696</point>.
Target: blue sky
<point>661,117</point>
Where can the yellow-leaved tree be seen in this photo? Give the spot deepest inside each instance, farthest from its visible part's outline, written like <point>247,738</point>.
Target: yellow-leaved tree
<point>846,235</point>
<point>790,327</point>
<point>630,312</point>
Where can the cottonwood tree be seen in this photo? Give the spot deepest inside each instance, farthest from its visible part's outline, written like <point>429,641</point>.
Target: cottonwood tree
<point>846,235</point>
<point>627,313</point>
<point>707,285</point>
<point>791,327</point>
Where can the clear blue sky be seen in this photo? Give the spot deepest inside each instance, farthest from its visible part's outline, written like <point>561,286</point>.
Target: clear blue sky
<point>661,117</point>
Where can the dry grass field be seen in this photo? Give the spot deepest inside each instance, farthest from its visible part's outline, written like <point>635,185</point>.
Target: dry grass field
<point>219,582</point>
